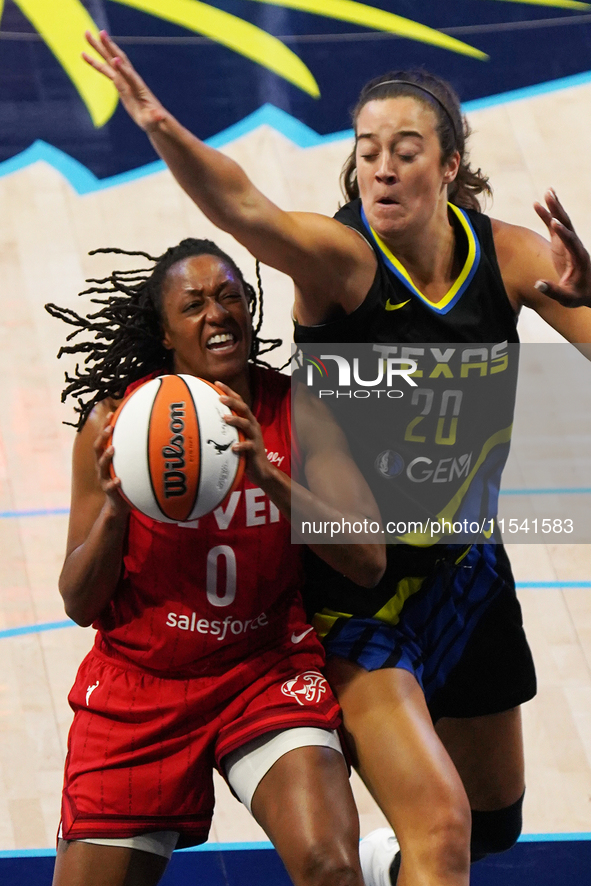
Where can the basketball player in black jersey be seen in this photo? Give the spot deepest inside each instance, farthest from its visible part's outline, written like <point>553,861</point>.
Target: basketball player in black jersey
<point>405,269</point>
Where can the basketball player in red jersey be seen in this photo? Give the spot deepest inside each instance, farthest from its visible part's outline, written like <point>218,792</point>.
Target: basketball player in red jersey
<point>400,265</point>
<point>203,656</point>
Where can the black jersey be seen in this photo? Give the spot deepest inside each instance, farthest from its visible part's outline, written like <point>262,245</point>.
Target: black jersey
<point>476,308</point>
<point>440,453</point>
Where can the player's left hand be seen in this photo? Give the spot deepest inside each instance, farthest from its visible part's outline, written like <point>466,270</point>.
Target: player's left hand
<point>257,467</point>
<point>570,257</point>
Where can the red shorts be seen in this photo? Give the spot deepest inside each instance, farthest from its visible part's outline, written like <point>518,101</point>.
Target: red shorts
<point>142,748</point>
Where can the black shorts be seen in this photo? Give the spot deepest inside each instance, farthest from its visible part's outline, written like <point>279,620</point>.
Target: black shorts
<point>460,634</point>
<point>496,671</point>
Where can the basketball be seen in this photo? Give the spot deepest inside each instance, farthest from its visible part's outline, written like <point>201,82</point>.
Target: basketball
<point>173,449</point>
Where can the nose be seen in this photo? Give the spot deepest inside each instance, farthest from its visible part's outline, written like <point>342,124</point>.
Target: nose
<point>215,312</point>
<point>385,171</point>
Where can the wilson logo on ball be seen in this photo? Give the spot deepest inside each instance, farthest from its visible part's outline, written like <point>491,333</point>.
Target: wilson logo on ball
<point>163,454</point>
<point>175,479</point>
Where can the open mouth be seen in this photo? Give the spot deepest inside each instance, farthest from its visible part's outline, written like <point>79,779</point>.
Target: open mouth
<point>387,201</point>
<point>223,341</point>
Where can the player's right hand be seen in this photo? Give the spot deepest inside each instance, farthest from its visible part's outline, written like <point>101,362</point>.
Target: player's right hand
<point>110,485</point>
<point>140,103</point>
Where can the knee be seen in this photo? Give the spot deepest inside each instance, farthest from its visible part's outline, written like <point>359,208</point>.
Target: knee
<point>331,865</point>
<point>495,831</point>
<point>449,846</point>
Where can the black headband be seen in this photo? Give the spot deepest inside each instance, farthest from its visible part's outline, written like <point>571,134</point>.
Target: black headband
<point>423,89</point>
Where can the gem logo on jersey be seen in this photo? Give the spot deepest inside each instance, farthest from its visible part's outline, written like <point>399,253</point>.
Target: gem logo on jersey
<point>306,688</point>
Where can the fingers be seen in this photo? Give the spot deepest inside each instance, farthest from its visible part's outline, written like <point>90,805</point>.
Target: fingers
<point>115,61</point>
<point>101,441</point>
<point>234,401</point>
<point>544,214</point>
<point>104,69</point>
<point>104,457</point>
<point>570,239</point>
<point>243,420</point>
<point>112,49</point>
<point>105,47</point>
<point>577,272</point>
<point>578,269</point>
<point>564,295</point>
<point>557,209</point>
<point>554,211</point>
<point>227,390</point>
<point>560,294</point>
<point>248,428</point>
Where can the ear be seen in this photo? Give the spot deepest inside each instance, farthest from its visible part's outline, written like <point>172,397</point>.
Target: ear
<point>166,341</point>
<point>451,168</point>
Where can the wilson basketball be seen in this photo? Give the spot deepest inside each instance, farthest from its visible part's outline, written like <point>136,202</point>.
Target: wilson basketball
<point>173,449</point>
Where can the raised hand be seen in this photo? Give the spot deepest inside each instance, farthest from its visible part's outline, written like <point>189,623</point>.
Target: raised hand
<point>570,257</point>
<point>140,103</point>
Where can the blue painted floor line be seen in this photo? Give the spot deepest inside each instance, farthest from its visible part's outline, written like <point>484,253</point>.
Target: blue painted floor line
<point>68,623</point>
<point>561,490</point>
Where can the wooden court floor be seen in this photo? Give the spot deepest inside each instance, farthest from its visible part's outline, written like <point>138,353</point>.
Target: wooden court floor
<point>46,231</point>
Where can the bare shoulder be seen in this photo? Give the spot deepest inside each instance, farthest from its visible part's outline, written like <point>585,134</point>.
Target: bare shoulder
<point>340,276</point>
<point>330,235</point>
<point>512,240</point>
<point>524,257</point>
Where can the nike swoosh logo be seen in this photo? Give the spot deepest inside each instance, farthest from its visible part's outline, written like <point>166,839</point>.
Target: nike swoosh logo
<point>396,307</point>
<point>297,638</point>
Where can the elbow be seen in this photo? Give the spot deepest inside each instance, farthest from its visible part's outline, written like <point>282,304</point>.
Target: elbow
<point>372,567</point>
<point>78,615</point>
<point>74,609</point>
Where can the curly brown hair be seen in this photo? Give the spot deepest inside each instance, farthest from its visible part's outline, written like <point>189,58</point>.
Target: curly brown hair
<point>452,129</point>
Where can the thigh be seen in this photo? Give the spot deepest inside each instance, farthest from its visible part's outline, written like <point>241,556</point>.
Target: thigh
<point>304,803</point>
<point>488,754</point>
<point>398,753</point>
<point>86,864</point>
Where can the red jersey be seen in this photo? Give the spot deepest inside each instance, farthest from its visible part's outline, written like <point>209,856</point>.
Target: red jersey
<point>199,597</point>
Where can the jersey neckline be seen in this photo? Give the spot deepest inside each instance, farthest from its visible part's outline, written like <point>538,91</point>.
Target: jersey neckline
<point>459,285</point>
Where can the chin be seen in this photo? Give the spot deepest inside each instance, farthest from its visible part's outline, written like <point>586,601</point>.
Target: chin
<point>389,227</point>
<point>227,370</point>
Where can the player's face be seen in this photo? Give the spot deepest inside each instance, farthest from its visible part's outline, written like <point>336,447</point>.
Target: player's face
<point>206,319</point>
<point>402,181</point>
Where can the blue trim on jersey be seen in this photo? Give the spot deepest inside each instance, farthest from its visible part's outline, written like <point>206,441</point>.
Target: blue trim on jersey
<point>466,275</point>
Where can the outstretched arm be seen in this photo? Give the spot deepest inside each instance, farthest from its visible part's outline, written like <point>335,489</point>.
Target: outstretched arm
<point>551,277</point>
<point>336,490</point>
<point>331,266</point>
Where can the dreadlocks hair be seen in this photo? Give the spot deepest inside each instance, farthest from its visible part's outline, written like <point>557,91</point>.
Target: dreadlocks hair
<point>127,330</point>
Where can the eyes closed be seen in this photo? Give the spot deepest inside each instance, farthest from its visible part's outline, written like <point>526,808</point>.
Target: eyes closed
<point>197,302</point>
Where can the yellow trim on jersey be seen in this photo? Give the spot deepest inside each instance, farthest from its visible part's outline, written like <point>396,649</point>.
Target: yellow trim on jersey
<point>323,621</point>
<point>406,587</point>
<point>456,285</point>
<point>389,613</point>
<point>424,539</point>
